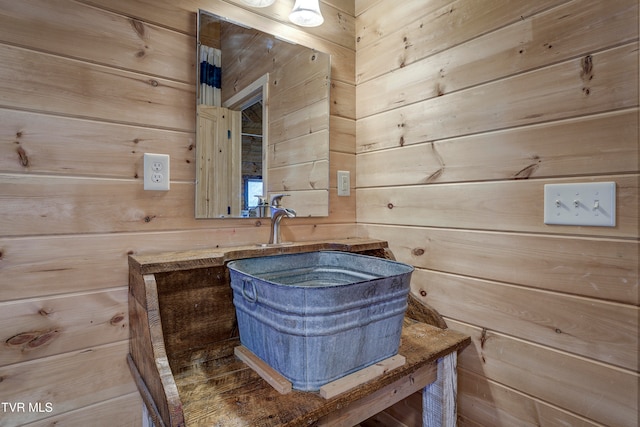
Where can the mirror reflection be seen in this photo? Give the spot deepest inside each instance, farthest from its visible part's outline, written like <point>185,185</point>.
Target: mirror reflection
<point>262,123</point>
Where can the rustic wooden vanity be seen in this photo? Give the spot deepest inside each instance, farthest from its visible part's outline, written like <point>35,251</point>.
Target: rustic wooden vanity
<point>183,334</point>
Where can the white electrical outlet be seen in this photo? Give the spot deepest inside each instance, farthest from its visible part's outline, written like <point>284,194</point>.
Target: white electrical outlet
<point>344,183</point>
<point>156,171</point>
<point>580,204</point>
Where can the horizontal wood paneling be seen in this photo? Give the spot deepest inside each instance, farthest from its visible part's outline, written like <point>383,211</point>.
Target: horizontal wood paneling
<point>334,37</point>
<point>491,205</point>
<point>303,149</point>
<point>552,93</point>
<point>132,44</point>
<point>44,144</point>
<point>46,326</point>
<point>342,133</point>
<point>53,265</point>
<point>302,176</point>
<point>56,265</point>
<point>39,205</point>
<point>339,92</point>
<point>491,403</point>
<point>536,151</point>
<point>299,123</point>
<point>86,88</point>
<point>465,110</point>
<point>69,381</point>
<point>64,205</point>
<point>120,411</point>
<point>418,32</point>
<point>606,269</point>
<point>556,35</point>
<point>600,330</point>
<point>593,390</point>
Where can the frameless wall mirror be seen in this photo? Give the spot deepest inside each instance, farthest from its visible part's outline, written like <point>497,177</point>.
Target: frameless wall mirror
<point>262,123</point>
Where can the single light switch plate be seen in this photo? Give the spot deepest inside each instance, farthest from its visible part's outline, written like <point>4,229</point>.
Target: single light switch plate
<point>344,183</point>
<point>592,203</point>
<point>156,171</point>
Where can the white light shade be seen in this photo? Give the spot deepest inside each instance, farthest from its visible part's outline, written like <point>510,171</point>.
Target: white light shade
<point>306,13</point>
<point>259,3</point>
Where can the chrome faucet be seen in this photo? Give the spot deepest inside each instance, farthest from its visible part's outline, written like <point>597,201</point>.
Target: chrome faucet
<point>277,213</point>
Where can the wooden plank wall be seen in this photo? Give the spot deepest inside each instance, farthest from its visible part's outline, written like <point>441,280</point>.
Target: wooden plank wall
<point>465,110</point>
<point>86,87</point>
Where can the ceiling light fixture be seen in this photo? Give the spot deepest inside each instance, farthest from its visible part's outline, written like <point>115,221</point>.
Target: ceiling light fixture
<point>306,13</point>
<point>259,3</point>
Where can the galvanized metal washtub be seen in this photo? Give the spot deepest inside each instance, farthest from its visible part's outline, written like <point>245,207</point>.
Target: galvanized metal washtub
<point>318,316</point>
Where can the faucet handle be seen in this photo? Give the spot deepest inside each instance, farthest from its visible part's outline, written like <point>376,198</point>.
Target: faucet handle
<point>276,199</point>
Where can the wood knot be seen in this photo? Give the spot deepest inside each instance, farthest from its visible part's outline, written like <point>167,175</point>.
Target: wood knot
<point>423,293</point>
<point>149,218</point>
<point>32,339</point>
<point>44,312</point>
<point>390,205</point>
<point>401,141</point>
<point>417,251</point>
<point>42,339</point>
<point>20,339</point>
<point>483,337</point>
<point>586,74</point>
<point>526,172</point>
<point>19,134</point>
<point>138,27</point>
<point>118,318</point>
<point>587,66</point>
<point>22,155</point>
<point>153,82</point>
<point>258,223</point>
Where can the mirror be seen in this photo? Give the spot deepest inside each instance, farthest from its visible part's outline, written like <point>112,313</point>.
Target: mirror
<point>262,123</point>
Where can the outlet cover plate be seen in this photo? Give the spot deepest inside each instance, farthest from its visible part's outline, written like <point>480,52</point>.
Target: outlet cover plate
<point>156,172</point>
<point>591,204</point>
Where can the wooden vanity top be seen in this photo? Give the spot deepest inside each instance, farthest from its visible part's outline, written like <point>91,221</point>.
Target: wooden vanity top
<point>183,333</point>
<point>209,257</point>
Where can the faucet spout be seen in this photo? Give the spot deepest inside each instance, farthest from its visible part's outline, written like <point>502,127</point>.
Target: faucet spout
<point>277,213</point>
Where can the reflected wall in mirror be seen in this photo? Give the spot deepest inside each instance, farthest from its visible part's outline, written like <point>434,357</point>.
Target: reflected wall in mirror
<point>262,123</point>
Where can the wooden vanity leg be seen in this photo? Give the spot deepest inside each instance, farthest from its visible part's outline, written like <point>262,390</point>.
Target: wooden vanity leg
<point>439,397</point>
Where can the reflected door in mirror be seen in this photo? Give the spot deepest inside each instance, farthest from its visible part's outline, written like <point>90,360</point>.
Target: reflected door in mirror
<point>218,148</point>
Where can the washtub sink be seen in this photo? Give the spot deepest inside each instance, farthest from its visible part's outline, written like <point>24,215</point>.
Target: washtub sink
<point>318,316</point>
